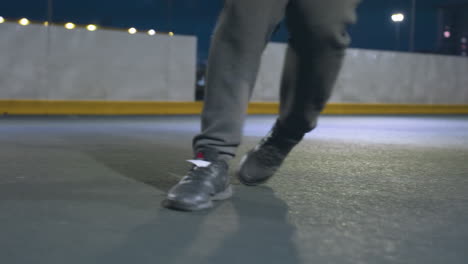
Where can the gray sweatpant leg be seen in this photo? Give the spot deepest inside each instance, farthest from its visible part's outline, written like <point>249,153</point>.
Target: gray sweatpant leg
<point>317,44</point>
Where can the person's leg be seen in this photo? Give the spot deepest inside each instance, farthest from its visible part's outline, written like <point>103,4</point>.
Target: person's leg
<point>316,48</point>
<point>318,39</point>
<point>243,29</point>
<point>242,32</point>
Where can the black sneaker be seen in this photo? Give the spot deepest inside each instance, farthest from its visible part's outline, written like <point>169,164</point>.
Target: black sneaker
<point>207,181</point>
<point>261,163</point>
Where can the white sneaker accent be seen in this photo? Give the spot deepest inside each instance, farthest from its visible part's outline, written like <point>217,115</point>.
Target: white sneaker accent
<point>200,163</point>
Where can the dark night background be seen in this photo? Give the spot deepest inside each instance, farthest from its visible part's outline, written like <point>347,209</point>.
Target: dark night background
<point>197,17</point>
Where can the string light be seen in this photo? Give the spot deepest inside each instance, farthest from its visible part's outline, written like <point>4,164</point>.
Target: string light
<point>24,22</point>
<point>91,27</point>
<point>70,25</point>
<point>132,30</point>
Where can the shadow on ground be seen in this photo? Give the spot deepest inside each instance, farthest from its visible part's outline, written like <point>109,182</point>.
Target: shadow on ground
<point>252,227</point>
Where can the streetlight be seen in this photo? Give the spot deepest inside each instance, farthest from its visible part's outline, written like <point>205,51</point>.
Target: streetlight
<point>132,30</point>
<point>398,18</point>
<point>23,22</point>
<point>70,25</point>
<point>91,27</point>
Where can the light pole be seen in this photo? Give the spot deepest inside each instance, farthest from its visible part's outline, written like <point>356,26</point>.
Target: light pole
<point>413,26</point>
<point>398,18</point>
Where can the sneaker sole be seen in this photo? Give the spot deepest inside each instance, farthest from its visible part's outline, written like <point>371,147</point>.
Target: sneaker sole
<point>177,205</point>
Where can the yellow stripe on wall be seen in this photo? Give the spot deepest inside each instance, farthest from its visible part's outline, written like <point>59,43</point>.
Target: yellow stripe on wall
<point>391,109</point>
<point>34,107</point>
<point>45,107</point>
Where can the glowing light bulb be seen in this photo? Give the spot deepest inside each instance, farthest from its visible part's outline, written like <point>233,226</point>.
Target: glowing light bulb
<point>91,27</point>
<point>151,32</point>
<point>171,34</point>
<point>46,23</point>
<point>398,17</point>
<point>70,25</point>
<point>2,19</point>
<point>24,22</point>
<point>132,30</point>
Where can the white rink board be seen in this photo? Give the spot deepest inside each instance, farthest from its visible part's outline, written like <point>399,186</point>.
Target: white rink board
<point>380,77</point>
<point>103,65</point>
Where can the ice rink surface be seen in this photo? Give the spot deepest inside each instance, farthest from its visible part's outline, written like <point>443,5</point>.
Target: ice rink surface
<point>358,189</point>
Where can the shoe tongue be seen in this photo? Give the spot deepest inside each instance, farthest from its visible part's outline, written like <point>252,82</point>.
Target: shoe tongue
<point>204,158</point>
<point>207,154</point>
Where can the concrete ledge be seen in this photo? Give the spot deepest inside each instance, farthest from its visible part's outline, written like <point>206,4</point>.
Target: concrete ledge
<point>44,107</point>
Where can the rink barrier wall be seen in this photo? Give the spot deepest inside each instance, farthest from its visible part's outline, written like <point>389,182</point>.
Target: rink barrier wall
<point>375,76</point>
<point>54,63</point>
<point>58,71</point>
<point>42,107</point>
